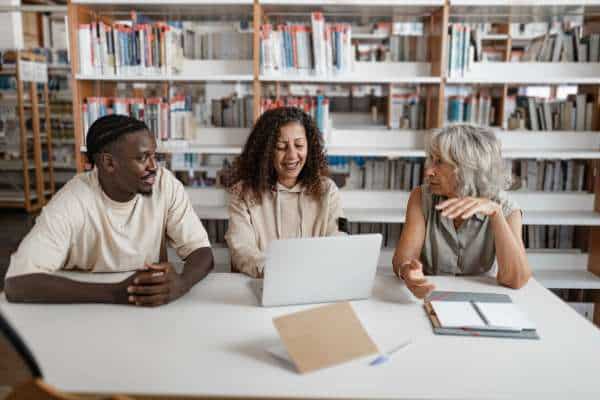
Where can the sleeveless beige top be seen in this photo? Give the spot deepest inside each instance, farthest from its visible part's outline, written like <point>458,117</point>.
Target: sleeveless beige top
<point>468,250</point>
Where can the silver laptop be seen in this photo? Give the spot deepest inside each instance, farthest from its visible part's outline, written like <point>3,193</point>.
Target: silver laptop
<point>319,270</point>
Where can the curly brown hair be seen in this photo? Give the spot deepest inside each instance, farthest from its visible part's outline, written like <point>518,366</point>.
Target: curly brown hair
<point>253,171</point>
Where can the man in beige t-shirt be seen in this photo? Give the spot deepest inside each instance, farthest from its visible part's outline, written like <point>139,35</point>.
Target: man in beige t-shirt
<point>113,219</point>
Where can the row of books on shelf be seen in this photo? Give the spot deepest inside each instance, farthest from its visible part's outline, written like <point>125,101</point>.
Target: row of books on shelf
<point>213,163</point>
<point>378,174</point>
<point>387,29</point>
<point>364,173</point>
<point>394,49</point>
<point>130,47</point>
<point>564,45</point>
<point>317,107</point>
<point>464,48</point>
<point>322,47</point>
<point>54,57</point>
<point>216,41</point>
<point>548,236</point>
<point>390,232</point>
<point>8,82</point>
<point>524,30</point>
<point>216,229</point>
<point>549,175</point>
<point>407,111</point>
<point>479,109</point>
<point>59,83</point>
<point>535,236</point>
<point>406,174</point>
<point>154,111</point>
<point>175,119</point>
<point>575,113</point>
<point>172,119</point>
<point>233,112</point>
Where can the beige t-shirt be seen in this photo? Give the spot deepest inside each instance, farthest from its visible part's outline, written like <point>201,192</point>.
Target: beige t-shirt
<point>82,228</point>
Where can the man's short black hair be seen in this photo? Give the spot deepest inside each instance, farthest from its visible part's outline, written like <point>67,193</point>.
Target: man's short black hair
<point>107,129</point>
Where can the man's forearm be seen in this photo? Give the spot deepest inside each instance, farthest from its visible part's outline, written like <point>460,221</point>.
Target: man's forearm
<point>45,288</point>
<point>197,265</point>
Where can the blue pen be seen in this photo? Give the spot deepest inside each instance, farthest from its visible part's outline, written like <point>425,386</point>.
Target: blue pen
<point>388,354</point>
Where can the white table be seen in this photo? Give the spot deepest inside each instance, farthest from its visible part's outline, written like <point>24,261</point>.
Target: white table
<point>212,341</point>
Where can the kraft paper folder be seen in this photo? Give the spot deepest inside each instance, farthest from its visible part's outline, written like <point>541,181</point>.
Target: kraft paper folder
<point>324,336</point>
<point>475,297</point>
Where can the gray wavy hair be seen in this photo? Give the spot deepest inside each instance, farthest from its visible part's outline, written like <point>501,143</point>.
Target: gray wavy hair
<point>475,153</point>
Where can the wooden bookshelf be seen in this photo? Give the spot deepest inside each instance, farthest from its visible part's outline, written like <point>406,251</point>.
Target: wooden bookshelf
<point>582,209</point>
<point>36,180</point>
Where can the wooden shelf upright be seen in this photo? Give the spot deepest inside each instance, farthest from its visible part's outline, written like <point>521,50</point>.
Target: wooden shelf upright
<point>31,69</point>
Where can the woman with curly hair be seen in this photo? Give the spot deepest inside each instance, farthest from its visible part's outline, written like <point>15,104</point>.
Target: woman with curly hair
<point>279,188</point>
<point>461,220</point>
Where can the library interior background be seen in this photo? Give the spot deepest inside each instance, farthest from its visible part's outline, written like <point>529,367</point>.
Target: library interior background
<point>376,80</point>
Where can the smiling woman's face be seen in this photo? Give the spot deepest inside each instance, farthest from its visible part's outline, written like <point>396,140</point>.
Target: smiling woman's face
<point>290,153</point>
<point>440,176</point>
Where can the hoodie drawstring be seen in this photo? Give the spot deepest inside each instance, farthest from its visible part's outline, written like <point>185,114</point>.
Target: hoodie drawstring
<point>278,221</point>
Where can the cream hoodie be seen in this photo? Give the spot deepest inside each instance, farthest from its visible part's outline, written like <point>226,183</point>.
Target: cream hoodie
<point>283,213</point>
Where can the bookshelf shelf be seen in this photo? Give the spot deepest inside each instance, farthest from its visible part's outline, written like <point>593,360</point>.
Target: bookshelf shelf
<point>554,4</point>
<point>494,37</point>
<point>556,269</point>
<point>374,152</point>
<point>568,279</point>
<point>530,73</point>
<point>203,6</point>
<point>198,149</point>
<point>521,11</point>
<point>136,3</point>
<point>369,36</point>
<point>356,3</point>
<point>552,154</point>
<point>398,215</point>
<point>364,72</point>
<point>366,7</point>
<point>396,143</point>
<point>539,208</point>
<point>550,144</point>
<point>210,140</point>
<point>192,71</point>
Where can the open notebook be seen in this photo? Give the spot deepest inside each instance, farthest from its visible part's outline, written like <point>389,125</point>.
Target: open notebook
<point>481,316</point>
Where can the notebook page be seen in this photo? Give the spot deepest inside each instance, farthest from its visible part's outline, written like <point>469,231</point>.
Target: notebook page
<point>457,314</point>
<point>504,316</point>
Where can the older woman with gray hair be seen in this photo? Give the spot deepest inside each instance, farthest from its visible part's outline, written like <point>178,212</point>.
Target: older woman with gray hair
<point>461,220</point>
